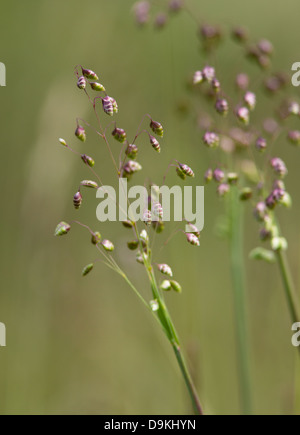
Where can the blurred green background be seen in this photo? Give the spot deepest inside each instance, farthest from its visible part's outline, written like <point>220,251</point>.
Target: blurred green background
<point>88,346</point>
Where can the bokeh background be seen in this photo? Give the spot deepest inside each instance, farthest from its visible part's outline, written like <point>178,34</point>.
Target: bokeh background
<point>88,346</point>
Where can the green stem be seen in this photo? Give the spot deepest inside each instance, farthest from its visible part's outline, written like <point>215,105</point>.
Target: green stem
<point>172,336</point>
<point>289,287</point>
<point>239,288</point>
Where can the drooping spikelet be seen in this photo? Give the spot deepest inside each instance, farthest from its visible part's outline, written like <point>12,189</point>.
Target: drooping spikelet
<point>147,217</point>
<point>88,160</point>
<point>192,239</point>
<point>62,229</point>
<point>157,128</point>
<point>89,74</point>
<point>81,84</point>
<point>77,200</point>
<point>165,269</point>
<point>155,144</point>
<point>87,269</point>
<point>186,170</point>
<point>119,134</point>
<point>108,245</point>
<point>80,133</point>
<point>108,106</point>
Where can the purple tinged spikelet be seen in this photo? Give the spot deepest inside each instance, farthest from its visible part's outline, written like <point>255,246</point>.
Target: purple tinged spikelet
<point>186,170</point>
<point>192,239</point>
<point>165,270</point>
<point>88,160</point>
<point>62,229</point>
<point>279,166</point>
<point>77,200</point>
<point>81,83</point>
<point>261,144</point>
<point>211,139</point>
<point>250,100</point>
<point>132,167</point>
<point>222,106</point>
<point>294,137</point>
<point>89,74</point>
<point>198,78</point>
<point>158,211</point>
<point>155,144</point>
<point>175,5</point>
<point>223,190</point>
<point>108,106</point>
<point>265,47</point>
<point>216,85</point>
<point>243,115</point>
<point>119,134</point>
<point>219,175</point>
<point>242,81</point>
<point>132,151</point>
<point>80,133</point>
<point>240,34</point>
<point>260,212</point>
<point>157,128</point>
<point>147,217</point>
<point>209,73</point>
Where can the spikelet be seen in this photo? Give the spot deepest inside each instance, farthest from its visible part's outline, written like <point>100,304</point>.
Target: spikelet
<point>62,142</point>
<point>133,245</point>
<point>96,238</point>
<point>158,211</point>
<point>108,106</point>
<point>155,144</point>
<point>176,286</point>
<point>97,87</point>
<point>198,78</point>
<point>88,160</point>
<point>166,286</point>
<point>89,74</point>
<point>89,183</point>
<point>80,133</point>
<point>77,200</point>
<point>192,239</point>
<point>81,84</point>
<point>157,128</point>
<point>128,224</point>
<point>144,237</point>
<point>132,167</point>
<point>120,135</point>
<point>62,229</point>
<point>165,269</point>
<point>132,151</point>
<point>108,245</point>
<point>186,170</point>
<point>87,269</point>
<point>147,217</point>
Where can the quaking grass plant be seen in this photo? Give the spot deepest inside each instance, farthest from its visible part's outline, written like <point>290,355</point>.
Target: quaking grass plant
<point>247,166</point>
<point>143,233</point>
